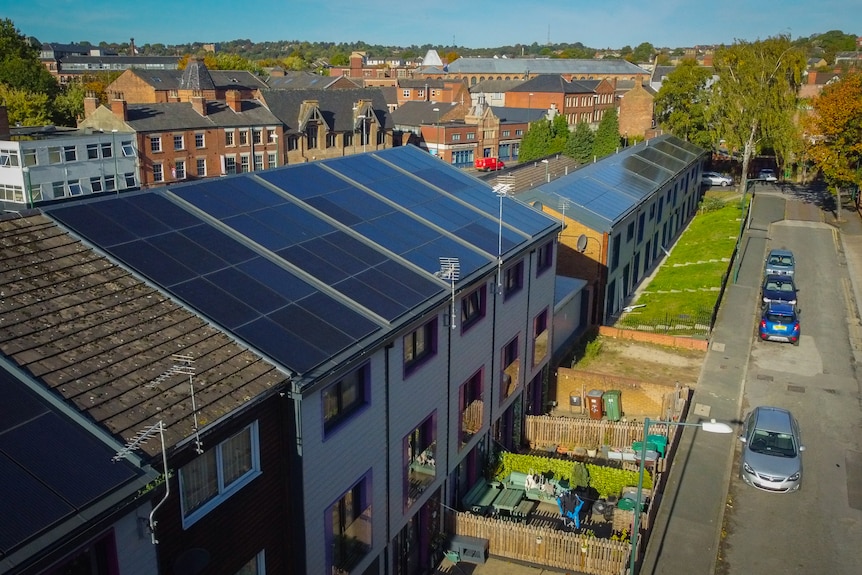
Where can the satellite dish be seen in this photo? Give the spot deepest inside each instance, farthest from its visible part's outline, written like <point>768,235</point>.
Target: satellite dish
<point>582,243</point>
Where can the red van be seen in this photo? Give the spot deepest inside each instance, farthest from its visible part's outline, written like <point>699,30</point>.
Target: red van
<point>488,164</point>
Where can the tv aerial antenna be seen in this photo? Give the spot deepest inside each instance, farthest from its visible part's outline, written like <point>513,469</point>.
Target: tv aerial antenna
<point>136,442</point>
<point>450,270</point>
<point>183,365</point>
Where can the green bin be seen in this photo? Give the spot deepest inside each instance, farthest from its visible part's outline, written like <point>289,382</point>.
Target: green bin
<point>611,404</point>
<point>660,441</point>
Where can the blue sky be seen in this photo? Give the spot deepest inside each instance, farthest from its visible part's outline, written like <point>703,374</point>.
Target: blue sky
<point>474,23</point>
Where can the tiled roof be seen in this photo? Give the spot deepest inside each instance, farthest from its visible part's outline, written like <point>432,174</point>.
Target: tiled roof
<point>488,86</point>
<point>542,66</point>
<point>97,336</point>
<point>335,105</point>
<point>182,116</point>
<point>418,113</point>
<point>556,84</point>
<point>299,80</point>
<point>130,60</point>
<point>222,79</point>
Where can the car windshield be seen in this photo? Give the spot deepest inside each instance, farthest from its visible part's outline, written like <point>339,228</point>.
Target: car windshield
<point>772,443</point>
<point>787,286</point>
<point>779,318</point>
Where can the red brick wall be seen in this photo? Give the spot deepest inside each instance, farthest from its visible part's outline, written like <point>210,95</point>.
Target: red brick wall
<point>656,338</point>
<point>636,112</point>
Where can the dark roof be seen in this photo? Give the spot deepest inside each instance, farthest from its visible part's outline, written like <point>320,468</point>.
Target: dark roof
<point>182,116</point>
<point>294,80</point>
<point>55,469</point>
<point>132,61</point>
<point>523,66</point>
<point>311,264</point>
<point>390,94</point>
<point>221,79</point>
<point>195,76</point>
<point>336,106</point>
<point>96,335</point>
<point>495,86</point>
<point>509,115</point>
<point>554,83</point>
<point>660,72</point>
<point>601,194</point>
<point>418,113</point>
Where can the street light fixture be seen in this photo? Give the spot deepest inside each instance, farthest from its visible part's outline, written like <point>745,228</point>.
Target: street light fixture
<point>711,426</point>
<point>547,175</point>
<point>437,146</point>
<point>502,190</point>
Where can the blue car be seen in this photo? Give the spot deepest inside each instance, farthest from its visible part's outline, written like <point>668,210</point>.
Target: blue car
<point>778,288</point>
<point>780,322</point>
<point>779,262</point>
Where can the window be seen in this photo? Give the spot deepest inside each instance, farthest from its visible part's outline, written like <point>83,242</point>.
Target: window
<point>652,211</point>
<point>70,153</point>
<point>243,137</point>
<point>505,134</point>
<point>158,173</point>
<point>419,345</point>
<point>75,187</point>
<point>129,177</point>
<point>58,189</point>
<point>107,150</point>
<point>330,140</point>
<point>420,459</point>
<point>544,258</point>
<point>110,183</point>
<point>615,252</point>
<point>179,142</point>
<point>472,308</point>
<point>201,167</point>
<point>255,566</point>
<point>29,157</point>
<point>641,227</point>
<point>200,142</point>
<point>420,94</point>
<point>348,525</point>
<point>272,159</point>
<point>630,231</point>
<point>258,162</point>
<point>228,138</point>
<point>128,150</point>
<point>244,163</point>
<point>513,279</point>
<point>180,169</point>
<point>257,136</point>
<point>472,407</point>
<point>345,397</point>
<point>511,366</point>
<point>230,164</point>
<point>292,143</point>
<point>271,136</point>
<point>311,136</point>
<point>348,139</point>
<point>155,143</point>
<point>220,472</point>
<point>540,337</point>
<point>471,135</point>
<point>92,151</point>
<point>405,93</point>
<point>96,184</point>
<point>54,155</point>
<point>519,132</point>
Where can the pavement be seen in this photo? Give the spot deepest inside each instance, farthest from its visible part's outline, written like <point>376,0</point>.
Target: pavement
<point>686,535</point>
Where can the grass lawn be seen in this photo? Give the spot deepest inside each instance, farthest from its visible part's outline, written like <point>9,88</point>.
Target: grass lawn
<point>682,294</point>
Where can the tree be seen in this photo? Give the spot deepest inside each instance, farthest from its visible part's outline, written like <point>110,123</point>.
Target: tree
<point>755,94</point>
<point>833,42</point>
<point>536,142</point>
<point>580,143</point>
<point>559,135</point>
<point>607,138</point>
<point>681,105</point>
<point>25,107</point>
<point>69,104</point>
<point>20,67</point>
<point>643,53</point>
<point>835,127</point>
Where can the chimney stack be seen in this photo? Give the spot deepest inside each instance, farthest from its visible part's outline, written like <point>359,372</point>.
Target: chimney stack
<point>119,107</point>
<point>199,105</point>
<point>232,97</point>
<point>4,123</point>
<point>91,102</point>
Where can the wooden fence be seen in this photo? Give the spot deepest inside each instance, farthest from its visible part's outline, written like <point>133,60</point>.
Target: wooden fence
<point>544,546</point>
<point>544,431</point>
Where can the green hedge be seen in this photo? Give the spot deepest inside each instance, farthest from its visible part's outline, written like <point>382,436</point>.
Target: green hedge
<point>611,480</point>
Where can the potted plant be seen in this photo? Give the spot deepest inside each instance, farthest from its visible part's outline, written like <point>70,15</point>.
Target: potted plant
<point>592,451</point>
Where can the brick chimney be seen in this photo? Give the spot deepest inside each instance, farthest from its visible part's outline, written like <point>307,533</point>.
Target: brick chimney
<point>91,102</point>
<point>199,104</point>
<point>120,108</point>
<point>232,97</point>
<point>4,123</point>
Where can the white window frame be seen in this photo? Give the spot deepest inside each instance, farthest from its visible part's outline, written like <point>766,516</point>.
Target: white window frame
<point>158,172</point>
<point>198,164</point>
<point>224,492</point>
<point>155,144</point>
<point>180,167</point>
<point>200,140</point>
<point>128,150</point>
<point>182,141</point>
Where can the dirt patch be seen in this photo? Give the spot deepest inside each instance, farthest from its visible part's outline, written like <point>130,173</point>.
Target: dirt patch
<point>646,362</point>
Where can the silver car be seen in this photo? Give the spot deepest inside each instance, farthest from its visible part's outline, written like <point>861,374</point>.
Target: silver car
<point>771,450</point>
<point>716,179</point>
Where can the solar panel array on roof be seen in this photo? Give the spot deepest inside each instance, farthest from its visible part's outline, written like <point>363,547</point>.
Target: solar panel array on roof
<point>51,469</point>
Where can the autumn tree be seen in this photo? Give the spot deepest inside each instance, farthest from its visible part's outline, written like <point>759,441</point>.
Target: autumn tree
<point>682,104</point>
<point>607,138</point>
<point>755,95</point>
<point>25,107</point>
<point>834,131</point>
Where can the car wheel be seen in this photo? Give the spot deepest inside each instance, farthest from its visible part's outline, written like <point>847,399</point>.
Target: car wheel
<point>796,343</point>
<point>724,184</point>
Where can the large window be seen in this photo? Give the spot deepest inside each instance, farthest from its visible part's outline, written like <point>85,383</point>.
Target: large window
<point>513,279</point>
<point>200,142</point>
<point>54,155</point>
<point>180,167</point>
<point>349,528</point>
<point>540,337</point>
<point>158,173</point>
<point>228,138</point>
<point>243,137</point>
<point>70,153</point>
<point>345,397</point>
<point>219,473</point>
<point>201,167</point>
<point>420,345</point>
<point>544,258</point>
<point>255,566</point>
<point>615,252</point>
<point>420,459</point>
<point>473,307</point>
<point>472,407</point>
<point>179,142</point>
<point>155,143</point>
<point>511,367</point>
<point>230,164</point>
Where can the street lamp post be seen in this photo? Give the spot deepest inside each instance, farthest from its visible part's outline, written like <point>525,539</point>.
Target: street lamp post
<point>711,426</point>
<point>114,153</point>
<point>501,190</point>
<point>437,146</point>
<point>547,175</point>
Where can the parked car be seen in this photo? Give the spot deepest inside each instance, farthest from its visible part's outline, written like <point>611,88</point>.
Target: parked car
<point>780,262</point>
<point>772,450</point>
<point>778,288</point>
<point>780,322</point>
<point>488,164</point>
<point>767,174</point>
<point>716,179</point>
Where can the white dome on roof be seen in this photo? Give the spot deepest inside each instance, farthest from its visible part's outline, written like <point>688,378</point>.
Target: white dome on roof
<point>432,58</point>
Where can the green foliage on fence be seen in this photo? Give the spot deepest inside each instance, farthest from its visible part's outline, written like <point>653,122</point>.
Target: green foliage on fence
<point>611,480</point>
<point>574,472</point>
